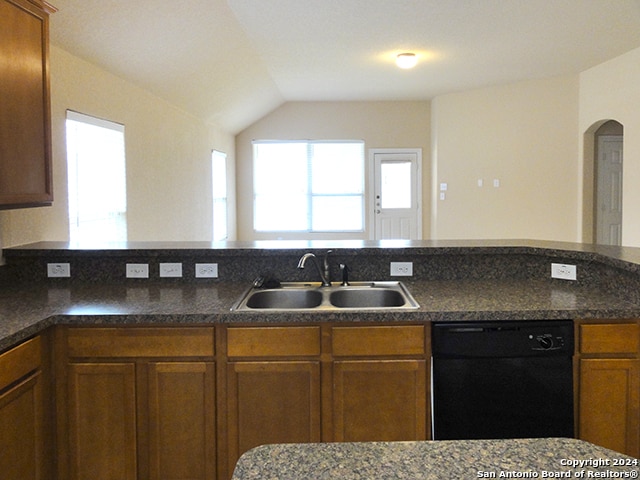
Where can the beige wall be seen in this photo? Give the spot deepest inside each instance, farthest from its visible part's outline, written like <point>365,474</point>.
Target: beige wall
<point>379,124</point>
<point>168,159</point>
<point>525,135</point>
<point>611,91</point>
<point>529,135</point>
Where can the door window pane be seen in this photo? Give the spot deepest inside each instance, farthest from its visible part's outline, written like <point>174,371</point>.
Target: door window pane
<point>395,184</point>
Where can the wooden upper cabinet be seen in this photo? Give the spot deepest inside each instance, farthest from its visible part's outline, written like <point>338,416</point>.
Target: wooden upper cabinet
<point>25,118</point>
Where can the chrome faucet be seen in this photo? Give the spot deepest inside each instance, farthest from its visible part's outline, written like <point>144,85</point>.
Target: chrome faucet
<point>323,269</point>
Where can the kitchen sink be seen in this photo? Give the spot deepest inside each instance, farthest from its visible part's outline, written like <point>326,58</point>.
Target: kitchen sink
<point>286,298</point>
<point>373,297</point>
<point>312,296</point>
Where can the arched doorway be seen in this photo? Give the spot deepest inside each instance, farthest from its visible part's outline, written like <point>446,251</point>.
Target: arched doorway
<point>607,189</point>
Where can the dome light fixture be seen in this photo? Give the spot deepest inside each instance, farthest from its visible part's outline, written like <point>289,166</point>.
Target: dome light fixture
<point>406,60</point>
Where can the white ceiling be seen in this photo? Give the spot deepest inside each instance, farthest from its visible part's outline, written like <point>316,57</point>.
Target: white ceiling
<point>231,62</point>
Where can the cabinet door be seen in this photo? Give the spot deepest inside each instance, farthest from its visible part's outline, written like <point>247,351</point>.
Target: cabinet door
<point>21,417</point>
<point>102,421</point>
<point>380,400</point>
<point>610,404</point>
<point>25,138</point>
<point>181,420</point>
<point>272,402</point>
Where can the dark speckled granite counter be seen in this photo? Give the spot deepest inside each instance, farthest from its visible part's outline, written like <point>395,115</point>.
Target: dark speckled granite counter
<point>26,310</point>
<point>440,460</point>
<point>452,281</point>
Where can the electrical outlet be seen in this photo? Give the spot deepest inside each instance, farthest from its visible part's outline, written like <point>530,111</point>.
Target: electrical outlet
<point>563,271</point>
<point>173,270</point>
<point>206,270</point>
<point>58,270</point>
<point>137,270</point>
<point>401,269</point>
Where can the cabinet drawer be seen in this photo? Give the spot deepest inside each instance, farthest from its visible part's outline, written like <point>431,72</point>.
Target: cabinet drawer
<point>273,341</point>
<point>609,338</point>
<point>17,362</point>
<point>140,342</point>
<point>357,341</point>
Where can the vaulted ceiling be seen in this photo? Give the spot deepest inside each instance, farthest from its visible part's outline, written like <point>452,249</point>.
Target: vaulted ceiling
<point>232,61</point>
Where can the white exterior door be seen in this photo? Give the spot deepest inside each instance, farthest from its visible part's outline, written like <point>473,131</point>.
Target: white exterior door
<point>609,190</point>
<point>397,193</point>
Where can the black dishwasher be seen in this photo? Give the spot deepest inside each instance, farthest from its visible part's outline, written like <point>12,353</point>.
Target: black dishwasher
<point>503,379</point>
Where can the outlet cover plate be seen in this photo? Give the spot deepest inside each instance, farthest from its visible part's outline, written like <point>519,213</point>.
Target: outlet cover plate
<point>58,270</point>
<point>563,271</point>
<point>401,269</point>
<point>206,270</point>
<point>170,270</point>
<point>137,270</point>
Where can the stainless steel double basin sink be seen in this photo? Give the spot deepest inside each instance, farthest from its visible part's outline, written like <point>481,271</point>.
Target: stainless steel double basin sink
<point>306,296</point>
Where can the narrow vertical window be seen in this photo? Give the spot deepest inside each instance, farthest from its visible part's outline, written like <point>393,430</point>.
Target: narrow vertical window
<point>97,179</point>
<point>219,191</point>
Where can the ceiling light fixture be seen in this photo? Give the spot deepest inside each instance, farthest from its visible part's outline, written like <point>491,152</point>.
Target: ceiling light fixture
<point>406,60</point>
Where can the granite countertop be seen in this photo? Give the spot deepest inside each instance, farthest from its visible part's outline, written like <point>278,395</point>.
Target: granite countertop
<point>25,310</point>
<point>453,281</point>
<point>435,460</point>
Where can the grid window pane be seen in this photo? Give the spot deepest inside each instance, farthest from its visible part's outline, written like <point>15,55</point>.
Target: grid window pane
<point>335,169</point>
<point>342,214</point>
<point>284,212</point>
<point>308,186</point>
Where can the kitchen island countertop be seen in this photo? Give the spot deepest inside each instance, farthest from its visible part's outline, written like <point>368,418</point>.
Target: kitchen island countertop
<point>435,460</point>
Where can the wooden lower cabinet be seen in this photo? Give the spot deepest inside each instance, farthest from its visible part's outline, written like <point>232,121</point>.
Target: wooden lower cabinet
<point>379,400</point>
<point>140,403</point>
<point>609,402</point>
<point>181,423</point>
<point>311,384</point>
<point>272,402</point>
<point>273,387</point>
<point>139,417</point>
<point>22,412</point>
<point>102,421</point>
<point>609,386</point>
<point>379,383</point>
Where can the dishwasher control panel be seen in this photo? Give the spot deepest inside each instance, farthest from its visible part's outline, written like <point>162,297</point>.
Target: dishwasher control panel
<point>502,338</point>
<point>546,341</point>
